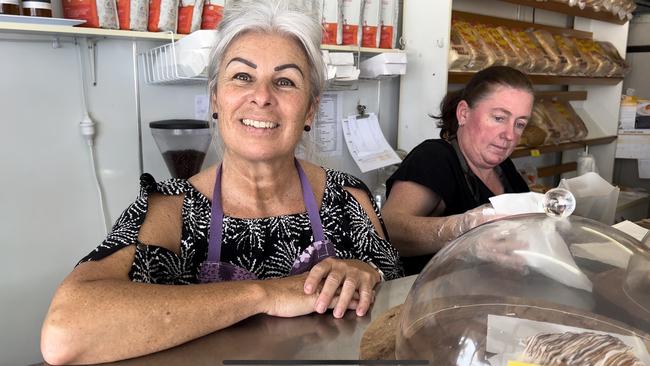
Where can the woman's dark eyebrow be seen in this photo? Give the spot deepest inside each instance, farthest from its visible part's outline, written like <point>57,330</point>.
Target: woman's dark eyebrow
<point>242,60</point>
<point>288,66</point>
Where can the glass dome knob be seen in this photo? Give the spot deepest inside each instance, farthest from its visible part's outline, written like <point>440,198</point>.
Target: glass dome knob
<point>559,202</point>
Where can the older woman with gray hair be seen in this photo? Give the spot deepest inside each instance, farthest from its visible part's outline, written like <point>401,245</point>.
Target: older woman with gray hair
<point>259,233</point>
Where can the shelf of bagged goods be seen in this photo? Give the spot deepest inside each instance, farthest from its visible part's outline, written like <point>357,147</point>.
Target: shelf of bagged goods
<point>457,77</point>
<point>65,30</point>
<point>570,145</point>
<point>545,149</point>
<point>462,77</point>
<point>570,10</point>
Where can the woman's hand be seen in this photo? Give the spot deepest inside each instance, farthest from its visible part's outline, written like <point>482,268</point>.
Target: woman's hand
<point>346,284</point>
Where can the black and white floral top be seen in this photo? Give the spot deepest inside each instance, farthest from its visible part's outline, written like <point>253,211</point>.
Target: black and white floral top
<point>266,247</point>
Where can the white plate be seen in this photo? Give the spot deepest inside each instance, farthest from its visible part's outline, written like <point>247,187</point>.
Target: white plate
<point>39,20</point>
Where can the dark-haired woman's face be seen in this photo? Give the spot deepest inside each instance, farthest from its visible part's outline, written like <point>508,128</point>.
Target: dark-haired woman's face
<point>491,129</point>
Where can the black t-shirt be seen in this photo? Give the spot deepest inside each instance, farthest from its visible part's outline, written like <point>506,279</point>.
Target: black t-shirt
<point>435,165</point>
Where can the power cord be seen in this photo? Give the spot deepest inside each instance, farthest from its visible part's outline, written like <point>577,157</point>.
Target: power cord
<point>87,129</point>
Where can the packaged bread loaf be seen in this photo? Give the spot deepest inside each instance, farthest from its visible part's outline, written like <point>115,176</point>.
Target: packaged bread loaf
<point>603,66</point>
<point>511,57</point>
<point>563,110</point>
<point>459,52</point>
<point>590,64</point>
<point>481,57</point>
<point>577,65</point>
<point>543,64</point>
<point>546,41</point>
<point>490,44</point>
<point>534,134</point>
<point>565,121</point>
<point>540,119</point>
<point>620,66</point>
<point>527,61</point>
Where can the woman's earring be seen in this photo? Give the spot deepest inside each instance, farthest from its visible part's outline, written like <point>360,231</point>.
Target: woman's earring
<point>307,128</point>
<point>215,115</point>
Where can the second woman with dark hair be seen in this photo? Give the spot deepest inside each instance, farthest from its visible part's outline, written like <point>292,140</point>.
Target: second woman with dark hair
<point>436,194</point>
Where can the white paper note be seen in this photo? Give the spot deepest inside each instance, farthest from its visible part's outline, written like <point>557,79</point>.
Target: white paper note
<point>329,133</point>
<point>367,143</point>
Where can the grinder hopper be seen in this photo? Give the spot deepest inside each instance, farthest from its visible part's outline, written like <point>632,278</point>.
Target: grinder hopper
<point>183,144</point>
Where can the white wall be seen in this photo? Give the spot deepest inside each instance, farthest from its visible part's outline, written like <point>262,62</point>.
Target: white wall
<point>49,211</point>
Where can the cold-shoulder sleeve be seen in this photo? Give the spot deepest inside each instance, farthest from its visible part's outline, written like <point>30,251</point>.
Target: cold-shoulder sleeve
<point>360,231</point>
<point>127,227</point>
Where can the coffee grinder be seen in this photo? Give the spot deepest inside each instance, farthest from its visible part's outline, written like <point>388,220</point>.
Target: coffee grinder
<point>183,144</point>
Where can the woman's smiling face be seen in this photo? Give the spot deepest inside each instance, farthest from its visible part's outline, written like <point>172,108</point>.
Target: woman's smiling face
<point>263,96</point>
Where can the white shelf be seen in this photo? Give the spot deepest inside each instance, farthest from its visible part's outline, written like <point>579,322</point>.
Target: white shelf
<point>62,30</point>
<point>65,30</point>
<point>339,48</point>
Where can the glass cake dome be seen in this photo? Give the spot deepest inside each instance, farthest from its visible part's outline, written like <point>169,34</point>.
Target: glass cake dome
<point>531,289</point>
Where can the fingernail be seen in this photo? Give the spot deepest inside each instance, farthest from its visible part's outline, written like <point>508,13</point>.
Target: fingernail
<point>338,313</point>
<point>308,289</point>
<point>320,307</point>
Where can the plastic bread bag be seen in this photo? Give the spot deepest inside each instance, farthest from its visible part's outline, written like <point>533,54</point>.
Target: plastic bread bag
<point>189,16</point>
<point>501,56</point>
<point>481,56</point>
<point>526,60</point>
<point>590,64</point>
<point>553,131</point>
<point>562,124</point>
<point>544,64</point>
<point>579,65</point>
<point>622,67</point>
<point>546,41</point>
<point>133,14</point>
<point>459,52</point>
<point>512,57</point>
<point>603,64</point>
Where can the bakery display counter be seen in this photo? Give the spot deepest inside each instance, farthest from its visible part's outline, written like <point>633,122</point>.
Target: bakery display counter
<point>532,289</point>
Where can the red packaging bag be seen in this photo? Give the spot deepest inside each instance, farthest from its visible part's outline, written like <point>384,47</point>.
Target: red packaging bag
<point>133,14</point>
<point>212,14</point>
<point>189,16</point>
<point>96,13</point>
<point>163,15</point>
<point>389,18</point>
<point>351,11</point>
<point>370,28</point>
<point>331,21</point>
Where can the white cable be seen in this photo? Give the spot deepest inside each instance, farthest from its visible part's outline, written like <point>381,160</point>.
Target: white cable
<point>100,191</point>
<point>87,129</point>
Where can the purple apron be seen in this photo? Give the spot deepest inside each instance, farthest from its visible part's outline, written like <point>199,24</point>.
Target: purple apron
<point>213,270</point>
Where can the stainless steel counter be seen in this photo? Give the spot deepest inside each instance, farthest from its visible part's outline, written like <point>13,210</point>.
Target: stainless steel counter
<point>310,337</point>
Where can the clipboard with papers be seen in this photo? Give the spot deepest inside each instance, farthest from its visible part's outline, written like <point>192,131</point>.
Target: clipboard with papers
<point>366,143</point>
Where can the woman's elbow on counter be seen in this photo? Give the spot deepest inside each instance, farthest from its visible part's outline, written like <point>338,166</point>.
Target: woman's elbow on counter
<point>57,341</point>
